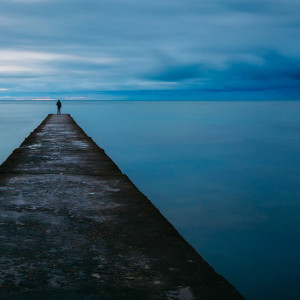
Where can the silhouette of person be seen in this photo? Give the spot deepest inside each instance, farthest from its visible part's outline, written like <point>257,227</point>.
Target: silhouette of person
<point>58,104</point>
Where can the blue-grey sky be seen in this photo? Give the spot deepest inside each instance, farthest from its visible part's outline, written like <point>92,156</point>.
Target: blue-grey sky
<point>158,49</point>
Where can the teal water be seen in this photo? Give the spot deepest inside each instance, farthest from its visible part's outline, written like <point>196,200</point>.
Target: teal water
<point>226,174</point>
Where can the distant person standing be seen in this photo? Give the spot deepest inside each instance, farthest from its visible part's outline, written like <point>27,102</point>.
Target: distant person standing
<point>58,104</point>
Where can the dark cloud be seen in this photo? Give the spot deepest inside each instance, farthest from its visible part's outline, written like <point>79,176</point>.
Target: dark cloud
<point>177,73</point>
<point>275,71</point>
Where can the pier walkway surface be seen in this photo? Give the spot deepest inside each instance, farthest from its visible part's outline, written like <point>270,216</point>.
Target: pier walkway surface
<point>73,226</point>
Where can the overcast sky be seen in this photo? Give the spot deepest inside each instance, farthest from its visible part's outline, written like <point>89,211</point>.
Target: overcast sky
<point>158,49</point>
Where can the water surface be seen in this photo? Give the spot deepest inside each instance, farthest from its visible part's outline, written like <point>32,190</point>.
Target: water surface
<point>226,174</point>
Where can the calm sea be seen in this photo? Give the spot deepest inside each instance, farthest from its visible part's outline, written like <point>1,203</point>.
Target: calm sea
<point>226,174</point>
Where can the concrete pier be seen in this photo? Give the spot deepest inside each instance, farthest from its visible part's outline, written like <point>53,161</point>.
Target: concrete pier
<point>73,226</point>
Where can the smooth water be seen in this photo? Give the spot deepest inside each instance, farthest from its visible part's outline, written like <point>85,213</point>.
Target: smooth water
<point>226,174</point>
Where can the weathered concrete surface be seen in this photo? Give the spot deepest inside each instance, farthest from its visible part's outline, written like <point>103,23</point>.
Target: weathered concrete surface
<point>72,226</point>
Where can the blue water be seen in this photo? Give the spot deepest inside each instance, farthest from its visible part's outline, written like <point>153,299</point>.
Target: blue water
<point>226,174</point>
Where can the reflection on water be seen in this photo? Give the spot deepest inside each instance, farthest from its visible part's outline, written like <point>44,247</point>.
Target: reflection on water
<point>226,174</point>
